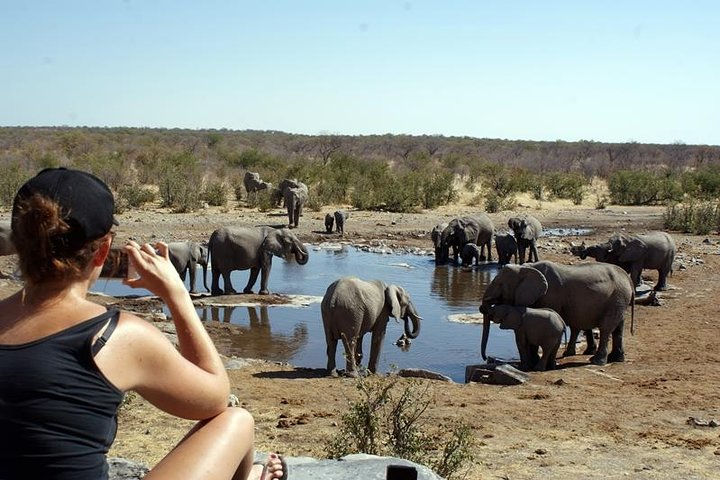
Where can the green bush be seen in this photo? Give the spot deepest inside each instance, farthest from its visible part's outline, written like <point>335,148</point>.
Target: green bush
<point>178,180</point>
<point>387,419</point>
<point>12,178</point>
<point>215,193</point>
<point>699,218</point>
<point>134,195</point>
<point>566,185</point>
<point>494,203</point>
<point>641,187</point>
<point>703,183</point>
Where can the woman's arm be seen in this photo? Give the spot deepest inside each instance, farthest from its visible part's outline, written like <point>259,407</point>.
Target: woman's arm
<point>191,383</point>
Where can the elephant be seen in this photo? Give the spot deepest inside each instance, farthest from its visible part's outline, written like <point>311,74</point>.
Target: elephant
<point>242,248</point>
<point>7,247</point>
<point>653,251</point>
<point>278,194</point>
<point>340,217</point>
<point>527,229</point>
<point>187,256</point>
<point>295,200</point>
<point>634,253</point>
<point>436,236</point>
<point>506,247</point>
<point>469,252</point>
<point>477,229</point>
<point>586,296</point>
<point>534,327</point>
<point>352,307</point>
<point>329,221</point>
<point>253,184</point>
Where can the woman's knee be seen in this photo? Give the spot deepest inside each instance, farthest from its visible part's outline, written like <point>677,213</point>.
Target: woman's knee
<point>238,418</point>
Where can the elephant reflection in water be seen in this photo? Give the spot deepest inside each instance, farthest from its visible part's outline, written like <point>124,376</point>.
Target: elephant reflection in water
<point>457,286</point>
<point>252,337</point>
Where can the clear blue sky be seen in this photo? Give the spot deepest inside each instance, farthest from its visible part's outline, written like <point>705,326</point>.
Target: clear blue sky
<point>612,71</point>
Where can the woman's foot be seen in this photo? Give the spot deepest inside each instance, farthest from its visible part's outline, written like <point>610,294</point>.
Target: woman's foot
<point>273,469</point>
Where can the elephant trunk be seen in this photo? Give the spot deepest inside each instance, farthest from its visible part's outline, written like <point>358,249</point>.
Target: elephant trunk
<point>301,255</point>
<point>485,335</point>
<point>415,318</point>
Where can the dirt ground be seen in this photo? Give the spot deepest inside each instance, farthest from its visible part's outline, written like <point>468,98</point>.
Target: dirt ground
<point>626,420</point>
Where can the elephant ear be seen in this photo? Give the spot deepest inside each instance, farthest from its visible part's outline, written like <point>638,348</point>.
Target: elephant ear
<point>393,296</point>
<point>527,232</point>
<point>512,319</point>
<point>272,243</point>
<point>531,286</point>
<point>634,250</point>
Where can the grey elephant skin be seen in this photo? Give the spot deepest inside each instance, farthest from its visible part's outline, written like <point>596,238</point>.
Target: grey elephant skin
<point>340,217</point>
<point>436,238</point>
<point>635,253</point>
<point>243,248</point>
<point>329,222</point>
<point>506,247</point>
<point>7,247</point>
<point>527,229</point>
<point>352,307</point>
<point>278,194</point>
<point>186,256</point>
<point>586,296</point>
<point>470,253</point>
<point>253,184</point>
<point>295,199</point>
<point>533,327</point>
<point>477,229</point>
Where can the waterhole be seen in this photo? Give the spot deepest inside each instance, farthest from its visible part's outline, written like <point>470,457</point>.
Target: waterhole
<point>442,295</point>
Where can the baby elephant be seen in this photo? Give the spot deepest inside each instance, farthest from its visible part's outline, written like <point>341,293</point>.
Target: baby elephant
<point>340,217</point>
<point>329,220</point>
<point>534,327</point>
<point>506,247</point>
<point>471,252</point>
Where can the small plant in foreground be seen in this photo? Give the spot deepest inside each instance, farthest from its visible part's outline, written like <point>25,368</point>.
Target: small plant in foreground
<point>388,419</point>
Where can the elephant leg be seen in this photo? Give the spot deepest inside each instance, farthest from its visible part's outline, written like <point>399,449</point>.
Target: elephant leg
<point>264,276</point>
<point>192,269</point>
<point>229,290</point>
<point>215,283</point>
<point>254,271</point>
<point>331,352</point>
<point>533,255</point>
<point>358,351</point>
<point>601,356</point>
<point>662,280</point>
<point>523,351</point>
<point>350,365</point>
<point>521,255</point>
<point>636,275</point>
<point>617,354</point>
<point>378,336</point>
<point>489,255</point>
<point>590,341</point>
<point>572,341</point>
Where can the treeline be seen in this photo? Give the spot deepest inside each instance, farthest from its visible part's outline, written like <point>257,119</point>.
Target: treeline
<point>183,168</point>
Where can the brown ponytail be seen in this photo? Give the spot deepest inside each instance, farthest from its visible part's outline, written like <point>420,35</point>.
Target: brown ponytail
<point>42,239</point>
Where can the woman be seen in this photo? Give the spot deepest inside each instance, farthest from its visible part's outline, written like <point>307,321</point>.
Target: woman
<point>65,362</point>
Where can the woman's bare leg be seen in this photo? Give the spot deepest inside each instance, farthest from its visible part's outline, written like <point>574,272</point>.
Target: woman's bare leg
<point>219,448</point>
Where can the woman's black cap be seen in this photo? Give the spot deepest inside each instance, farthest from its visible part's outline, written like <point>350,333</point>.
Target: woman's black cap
<point>86,203</point>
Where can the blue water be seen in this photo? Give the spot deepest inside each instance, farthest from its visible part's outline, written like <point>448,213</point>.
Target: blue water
<point>295,335</point>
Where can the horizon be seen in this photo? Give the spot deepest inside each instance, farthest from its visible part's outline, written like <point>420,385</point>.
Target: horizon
<point>557,71</point>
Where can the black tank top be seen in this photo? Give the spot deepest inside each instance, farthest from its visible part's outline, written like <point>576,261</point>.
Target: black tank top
<point>57,410</point>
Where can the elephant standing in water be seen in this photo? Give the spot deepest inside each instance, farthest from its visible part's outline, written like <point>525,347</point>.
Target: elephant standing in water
<point>534,327</point>
<point>353,307</point>
<point>436,237</point>
<point>477,229</point>
<point>586,296</point>
<point>653,250</point>
<point>186,256</point>
<point>242,248</point>
<point>527,229</point>
<point>506,247</point>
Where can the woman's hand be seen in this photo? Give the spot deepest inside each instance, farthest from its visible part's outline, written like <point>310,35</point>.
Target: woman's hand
<point>155,271</point>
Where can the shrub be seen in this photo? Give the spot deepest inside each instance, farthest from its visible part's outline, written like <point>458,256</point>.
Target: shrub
<point>699,218</point>
<point>640,187</point>
<point>566,185</point>
<point>135,195</point>
<point>494,203</point>
<point>13,177</point>
<point>387,419</point>
<point>703,183</point>
<point>215,193</point>
<point>178,179</point>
